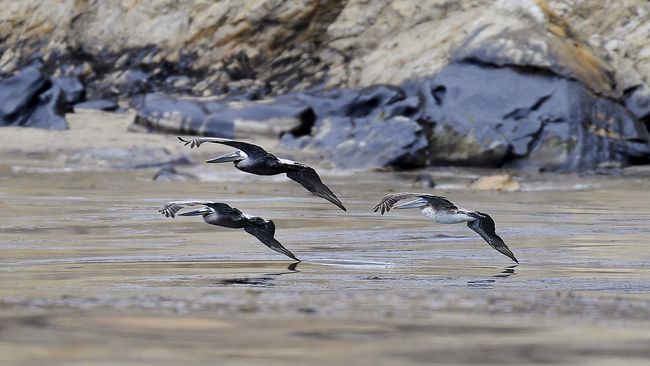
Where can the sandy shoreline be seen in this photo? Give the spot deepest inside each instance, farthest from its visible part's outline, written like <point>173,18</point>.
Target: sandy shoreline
<point>93,274</point>
<point>91,132</point>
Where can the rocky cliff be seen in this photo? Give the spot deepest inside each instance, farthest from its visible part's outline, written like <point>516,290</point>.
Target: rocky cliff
<point>557,84</point>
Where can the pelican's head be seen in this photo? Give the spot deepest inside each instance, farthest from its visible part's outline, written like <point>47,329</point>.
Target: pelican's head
<point>417,203</point>
<point>234,156</point>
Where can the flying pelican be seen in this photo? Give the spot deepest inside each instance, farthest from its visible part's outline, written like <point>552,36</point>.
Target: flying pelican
<point>440,210</point>
<point>253,159</point>
<point>220,214</point>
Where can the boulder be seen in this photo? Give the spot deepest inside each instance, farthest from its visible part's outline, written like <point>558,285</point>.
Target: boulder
<point>28,99</point>
<point>501,116</point>
<point>223,118</point>
<point>18,94</point>
<point>370,128</point>
<point>182,116</point>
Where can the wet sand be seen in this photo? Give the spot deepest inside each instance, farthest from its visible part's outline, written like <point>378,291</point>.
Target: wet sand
<point>91,273</point>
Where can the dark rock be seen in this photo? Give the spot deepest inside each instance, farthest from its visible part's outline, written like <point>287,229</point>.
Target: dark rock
<point>134,81</point>
<point>28,99</point>
<point>365,142</point>
<point>216,125</point>
<point>307,310</point>
<point>371,128</point>
<point>18,92</point>
<point>99,104</point>
<point>165,114</point>
<point>224,118</point>
<point>50,110</point>
<point>170,174</point>
<point>487,116</point>
<point>468,114</point>
<point>370,99</point>
<point>477,115</point>
<point>72,88</point>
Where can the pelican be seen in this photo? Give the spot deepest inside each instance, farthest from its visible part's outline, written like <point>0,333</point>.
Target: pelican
<point>255,160</point>
<point>220,214</point>
<point>442,211</point>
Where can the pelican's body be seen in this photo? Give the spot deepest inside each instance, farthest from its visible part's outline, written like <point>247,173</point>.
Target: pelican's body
<point>229,219</point>
<point>446,217</point>
<point>442,211</point>
<point>253,159</point>
<point>220,214</point>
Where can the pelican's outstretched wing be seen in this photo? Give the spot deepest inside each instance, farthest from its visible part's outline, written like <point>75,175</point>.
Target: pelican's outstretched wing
<point>484,226</point>
<point>171,208</point>
<point>308,178</point>
<point>264,232</point>
<point>390,200</point>
<point>248,148</point>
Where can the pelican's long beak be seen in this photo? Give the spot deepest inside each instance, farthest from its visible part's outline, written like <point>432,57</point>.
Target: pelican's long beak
<point>233,156</point>
<point>199,212</point>
<point>418,203</point>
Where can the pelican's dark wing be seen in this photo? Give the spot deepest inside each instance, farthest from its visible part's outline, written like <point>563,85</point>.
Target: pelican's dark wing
<point>484,226</point>
<point>249,149</point>
<point>171,208</point>
<point>308,178</point>
<point>264,232</point>
<point>390,200</point>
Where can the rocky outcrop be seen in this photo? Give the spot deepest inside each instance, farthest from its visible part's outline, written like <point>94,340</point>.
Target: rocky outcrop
<point>210,47</point>
<point>472,115</point>
<point>556,84</point>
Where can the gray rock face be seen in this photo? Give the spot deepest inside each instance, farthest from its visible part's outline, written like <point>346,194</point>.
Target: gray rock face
<point>370,128</point>
<point>500,116</point>
<point>227,119</point>
<point>549,84</point>
<point>17,92</point>
<point>171,115</point>
<point>475,115</point>
<point>28,99</point>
